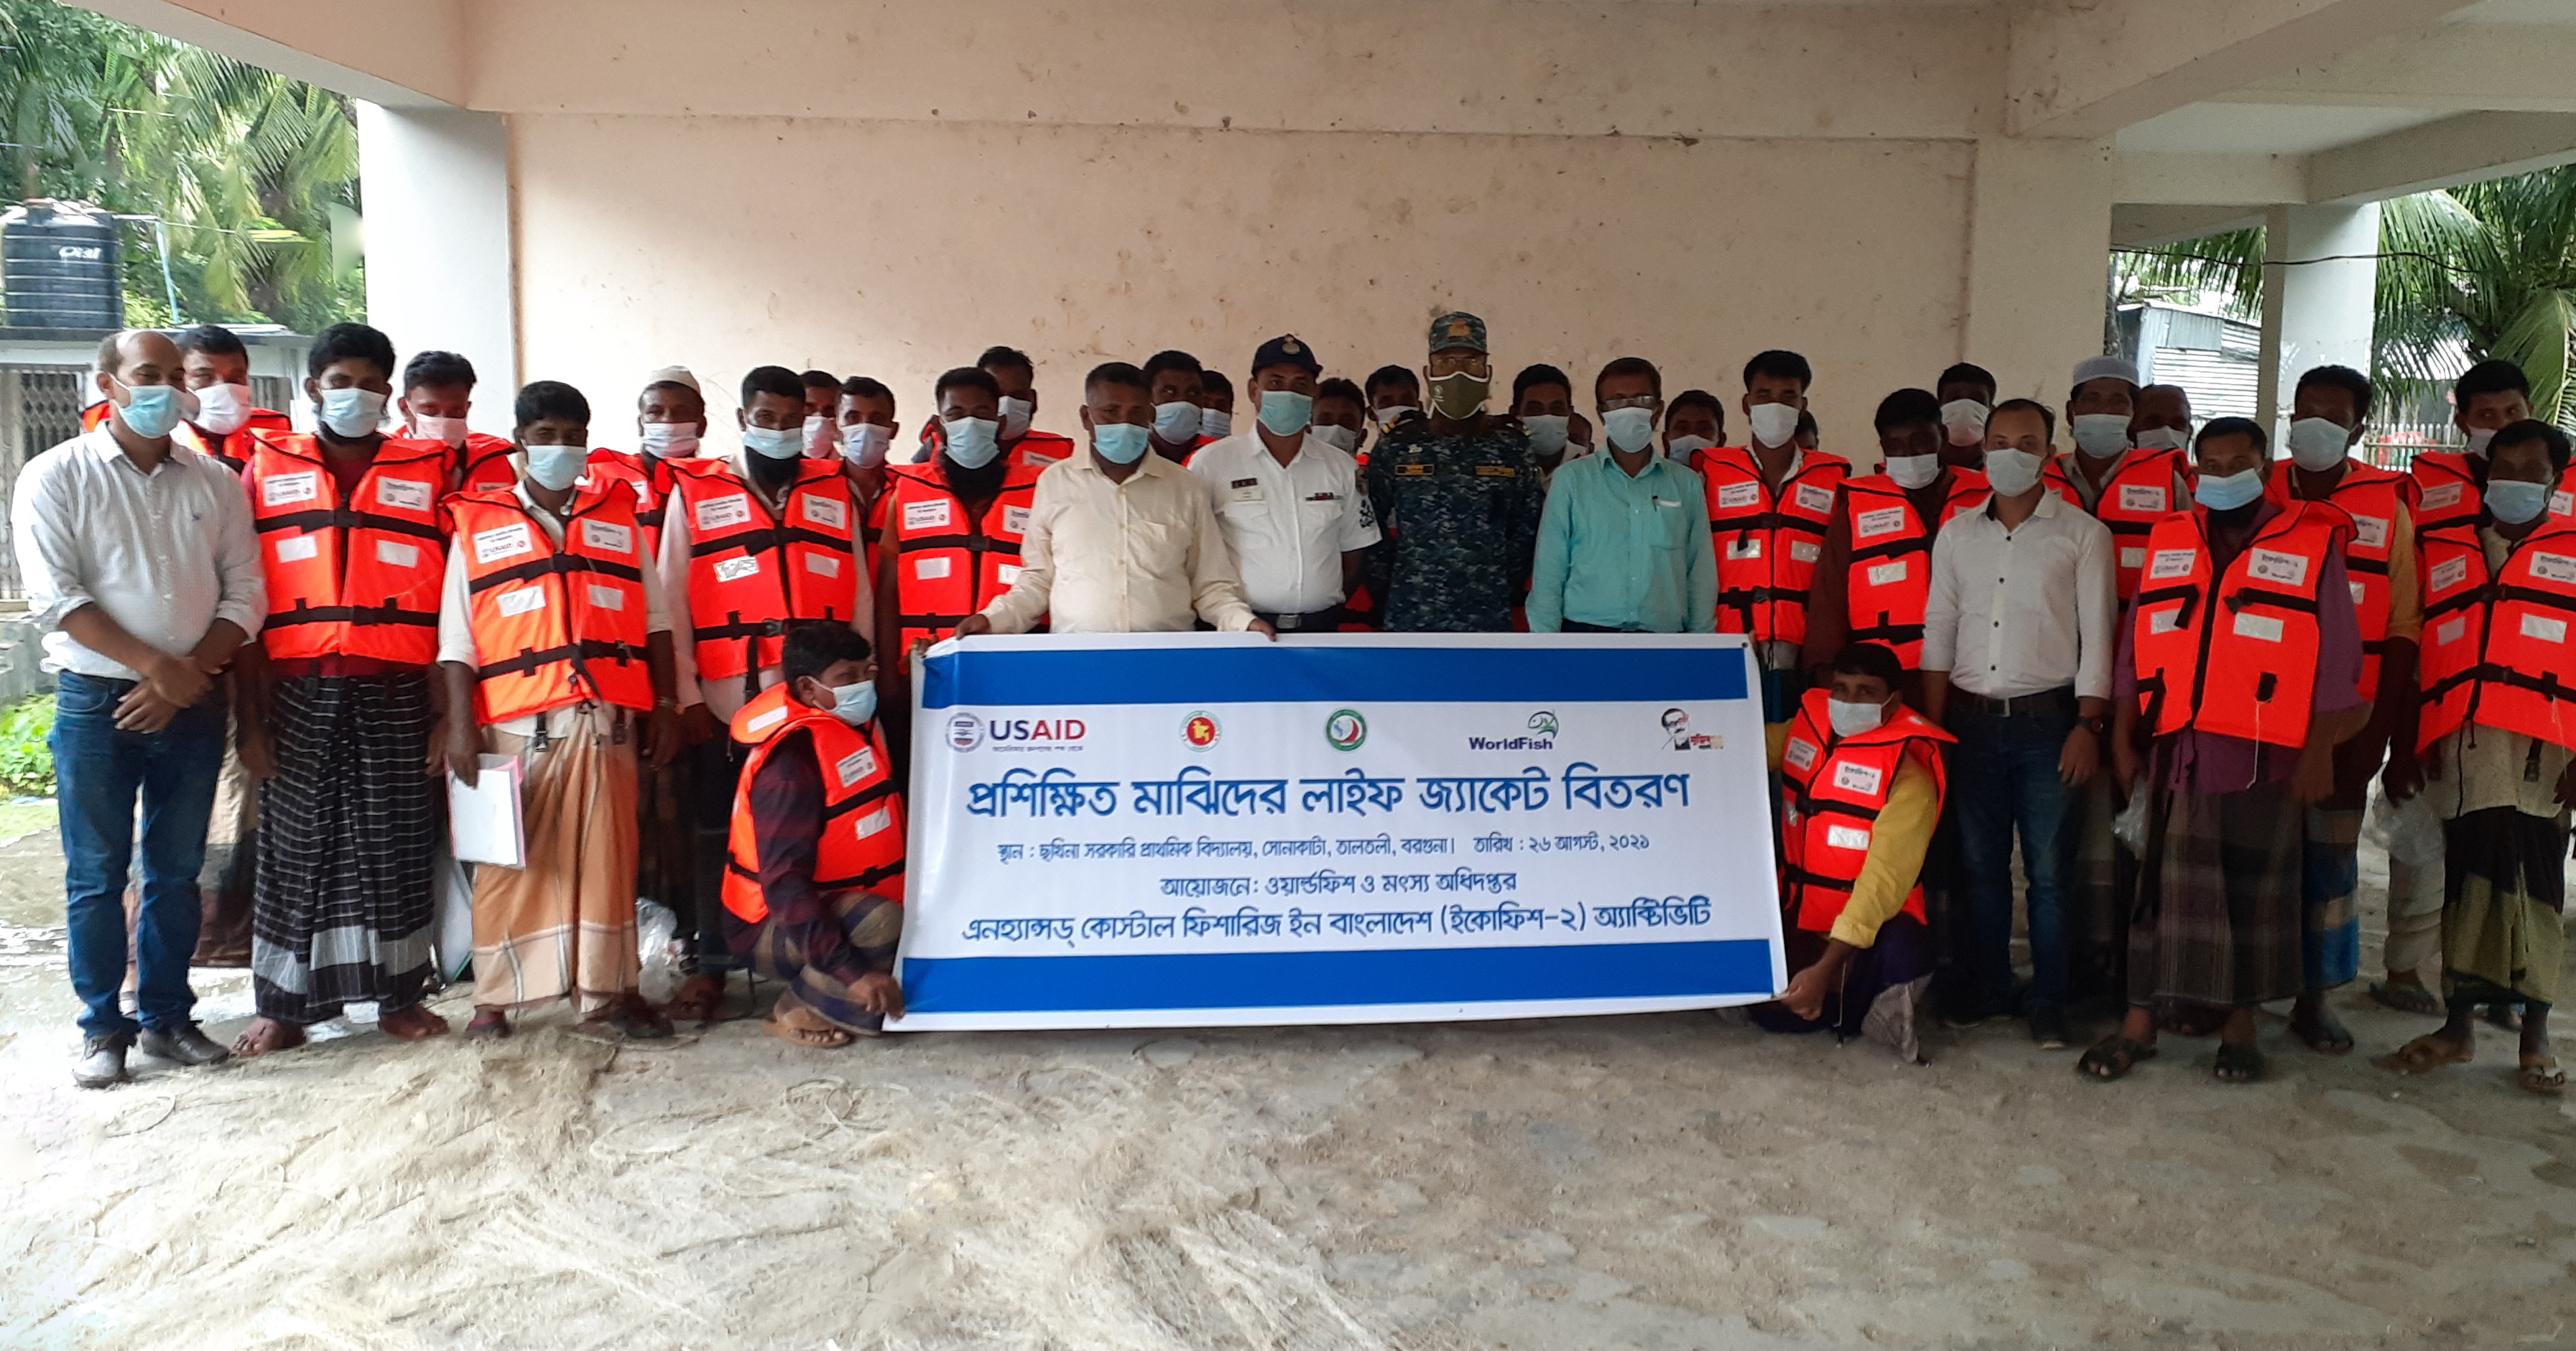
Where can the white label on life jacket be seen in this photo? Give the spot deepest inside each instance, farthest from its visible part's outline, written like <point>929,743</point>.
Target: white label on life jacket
<point>2562,503</point>
<point>608,536</point>
<point>2544,628</point>
<point>724,513</point>
<point>1804,550</point>
<point>1884,521</point>
<point>2359,591</point>
<point>2171,564</point>
<point>735,569</point>
<point>2261,628</point>
<point>765,721</point>
<point>1799,754</point>
<point>1737,496</point>
<point>1745,546</point>
<point>925,515</point>
<point>280,490</point>
<point>606,597</point>
<point>501,542</point>
<point>855,766</point>
<point>2147,497</point>
<point>2450,631</point>
<point>2272,565</point>
<point>1887,574</point>
<point>2133,556</point>
<point>1015,520</point>
<point>397,554</point>
<point>2442,495</point>
<point>2370,532</point>
<point>823,564</point>
<point>2553,567</point>
<point>2448,573</point>
<point>521,601</point>
<point>402,494</point>
<point>2165,620</point>
<point>297,548</point>
<point>1861,779</point>
<point>1815,499</point>
<point>1846,837</point>
<point>829,513</point>
<point>1008,573</point>
<point>875,821</point>
<point>930,569</point>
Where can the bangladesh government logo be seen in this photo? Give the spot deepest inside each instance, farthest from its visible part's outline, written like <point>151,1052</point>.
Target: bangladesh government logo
<point>1200,731</point>
<point>1346,729</point>
<point>965,732</point>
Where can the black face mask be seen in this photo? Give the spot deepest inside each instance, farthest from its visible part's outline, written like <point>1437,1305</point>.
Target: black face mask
<point>982,481</point>
<point>772,474</point>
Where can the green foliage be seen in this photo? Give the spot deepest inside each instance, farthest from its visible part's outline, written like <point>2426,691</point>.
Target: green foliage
<point>26,761</point>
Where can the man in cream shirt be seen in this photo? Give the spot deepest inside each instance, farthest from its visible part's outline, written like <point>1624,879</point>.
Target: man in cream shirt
<point>1287,499</point>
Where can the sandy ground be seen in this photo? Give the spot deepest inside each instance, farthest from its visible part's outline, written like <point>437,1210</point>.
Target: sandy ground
<point>1659,1183</point>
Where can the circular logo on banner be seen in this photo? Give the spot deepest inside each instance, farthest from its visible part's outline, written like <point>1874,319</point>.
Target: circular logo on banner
<point>1200,731</point>
<point>965,732</point>
<point>1346,729</point>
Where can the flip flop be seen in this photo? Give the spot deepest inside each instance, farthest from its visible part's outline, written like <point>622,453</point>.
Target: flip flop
<point>2405,998</point>
<point>698,1000</point>
<point>2237,1064</point>
<point>2426,1054</point>
<point>2325,1034</point>
<point>2113,1057</point>
<point>2541,1076</point>
<point>487,1024</point>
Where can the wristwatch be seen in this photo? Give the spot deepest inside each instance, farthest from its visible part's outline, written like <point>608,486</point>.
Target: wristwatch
<point>2096,724</point>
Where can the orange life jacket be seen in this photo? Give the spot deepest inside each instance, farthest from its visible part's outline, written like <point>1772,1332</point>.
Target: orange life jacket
<point>1836,787</point>
<point>2449,490</point>
<point>2497,651</point>
<point>350,579</point>
<point>1035,450</point>
<point>1889,582</point>
<point>2140,493</point>
<point>2244,665</point>
<point>1767,543</point>
<point>650,476</point>
<point>2370,496</point>
<point>947,566</point>
<point>554,625</point>
<point>862,843</point>
<point>482,462</point>
<point>204,443</point>
<point>751,575</point>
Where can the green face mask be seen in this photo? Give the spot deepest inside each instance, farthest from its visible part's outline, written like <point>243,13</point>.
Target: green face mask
<point>1461,396</point>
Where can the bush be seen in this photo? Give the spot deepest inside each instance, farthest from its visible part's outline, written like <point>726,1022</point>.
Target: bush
<point>26,761</point>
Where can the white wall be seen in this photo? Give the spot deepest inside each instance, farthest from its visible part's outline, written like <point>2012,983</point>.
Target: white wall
<point>436,183</point>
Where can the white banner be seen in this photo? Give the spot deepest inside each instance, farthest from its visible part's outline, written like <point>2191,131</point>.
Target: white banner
<point>1160,830</point>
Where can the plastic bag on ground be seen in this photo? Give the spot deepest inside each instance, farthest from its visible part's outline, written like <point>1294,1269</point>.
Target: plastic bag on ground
<point>2408,830</point>
<point>657,932</point>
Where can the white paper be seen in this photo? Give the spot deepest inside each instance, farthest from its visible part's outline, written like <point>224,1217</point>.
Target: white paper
<point>484,819</point>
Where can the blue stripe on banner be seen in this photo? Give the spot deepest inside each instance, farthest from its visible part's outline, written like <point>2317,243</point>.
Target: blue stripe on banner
<point>1256,980</point>
<point>1320,675</point>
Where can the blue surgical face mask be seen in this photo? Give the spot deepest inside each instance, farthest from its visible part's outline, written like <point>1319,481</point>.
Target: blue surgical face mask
<point>1119,442</point>
<point>1547,432</point>
<point>2230,491</point>
<point>150,411</point>
<point>350,412</point>
<point>1176,422</point>
<point>777,443</point>
<point>972,441</point>
<point>1216,422</point>
<point>2514,501</point>
<point>855,704</point>
<point>556,467</point>
<point>1285,412</point>
<point>2101,435</point>
<point>1630,429</point>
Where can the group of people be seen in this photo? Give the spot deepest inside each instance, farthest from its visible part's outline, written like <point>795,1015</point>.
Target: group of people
<point>697,660</point>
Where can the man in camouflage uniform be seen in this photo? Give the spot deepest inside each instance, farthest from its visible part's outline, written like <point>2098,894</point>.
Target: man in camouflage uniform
<point>1458,493</point>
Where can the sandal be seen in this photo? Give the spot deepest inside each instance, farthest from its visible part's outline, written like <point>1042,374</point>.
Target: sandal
<point>2541,1076</point>
<point>2321,1032</point>
<point>487,1023</point>
<point>698,1000</point>
<point>2112,1057</point>
<point>792,1022</point>
<point>2409,998</point>
<point>635,1019</point>
<point>2426,1054</point>
<point>2238,1064</point>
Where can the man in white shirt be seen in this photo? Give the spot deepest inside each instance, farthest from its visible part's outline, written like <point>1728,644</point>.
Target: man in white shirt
<point>140,558</point>
<point>1119,541</point>
<point>2019,636</point>
<point>1287,499</point>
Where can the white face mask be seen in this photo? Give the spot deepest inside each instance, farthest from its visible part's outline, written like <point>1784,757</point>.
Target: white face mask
<point>820,434</point>
<point>2478,439</point>
<point>1774,424</point>
<point>1216,422</point>
<point>448,429</point>
<point>1913,471</point>
<point>671,440</point>
<point>2163,438</point>
<point>1339,438</point>
<point>2101,435</point>
<point>864,443</point>
<point>1965,420</point>
<point>2012,472</point>
<point>1850,719</point>
<point>1629,429</point>
<point>1015,418</point>
<point>1683,447</point>
<point>554,467</point>
<point>223,409</point>
<point>350,412</point>
<point>2317,444</point>
<point>1386,417</point>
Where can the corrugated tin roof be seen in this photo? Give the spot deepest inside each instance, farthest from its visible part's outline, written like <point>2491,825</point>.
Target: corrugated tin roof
<point>2220,384</point>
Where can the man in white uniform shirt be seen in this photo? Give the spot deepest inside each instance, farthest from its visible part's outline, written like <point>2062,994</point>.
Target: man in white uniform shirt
<point>1287,499</point>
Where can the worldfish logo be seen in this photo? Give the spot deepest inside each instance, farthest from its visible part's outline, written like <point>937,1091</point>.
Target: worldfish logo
<point>1542,725</point>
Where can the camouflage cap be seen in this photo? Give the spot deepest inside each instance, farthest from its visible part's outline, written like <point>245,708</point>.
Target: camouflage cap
<point>1458,329</point>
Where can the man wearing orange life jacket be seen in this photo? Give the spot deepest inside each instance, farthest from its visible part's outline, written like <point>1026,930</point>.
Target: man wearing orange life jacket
<point>1967,394</point>
<point>2328,411</point>
<point>2498,736</point>
<point>554,647</point>
<point>336,707</point>
<point>822,428</point>
<point>865,427</point>
<point>814,889</point>
<point>1865,783</point>
<point>670,424</point>
<point>2241,659</point>
<point>216,368</point>
<point>2127,485</point>
<point>1216,405</point>
<point>437,395</point>
<point>1022,443</point>
<point>1875,574</point>
<point>1768,505</point>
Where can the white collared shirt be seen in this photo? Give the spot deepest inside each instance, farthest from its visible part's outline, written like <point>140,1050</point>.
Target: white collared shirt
<point>2016,612</point>
<point>1290,524</point>
<point>1143,556</point>
<point>165,554</point>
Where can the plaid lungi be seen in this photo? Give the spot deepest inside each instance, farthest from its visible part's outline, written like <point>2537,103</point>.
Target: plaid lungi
<point>2505,886</point>
<point>2217,914</point>
<point>869,926</point>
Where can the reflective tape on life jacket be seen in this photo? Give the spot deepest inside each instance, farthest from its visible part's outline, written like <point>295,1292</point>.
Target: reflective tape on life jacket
<point>2240,658</point>
<point>352,579</point>
<point>948,564</point>
<point>861,848</point>
<point>1767,543</point>
<point>1889,582</point>
<point>1835,789</point>
<point>2371,497</point>
<point>554,625</point>
<point>752,574</point>
<point>2498,649</point>
<point>2140,493</point>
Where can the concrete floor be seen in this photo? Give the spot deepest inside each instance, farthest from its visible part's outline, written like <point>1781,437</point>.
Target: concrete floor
<point>1657,1183</point>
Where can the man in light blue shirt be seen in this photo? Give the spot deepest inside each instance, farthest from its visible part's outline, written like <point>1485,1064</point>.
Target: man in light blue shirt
<point>1623,546</point>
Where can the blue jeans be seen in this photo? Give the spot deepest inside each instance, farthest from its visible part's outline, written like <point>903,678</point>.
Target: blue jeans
<point>97,772</point>
<point>2003,777</point>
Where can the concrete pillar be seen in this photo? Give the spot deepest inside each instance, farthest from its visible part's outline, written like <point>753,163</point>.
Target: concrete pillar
<point>2039,247</point>
<point>2315,313</point>
<point>439,257</point>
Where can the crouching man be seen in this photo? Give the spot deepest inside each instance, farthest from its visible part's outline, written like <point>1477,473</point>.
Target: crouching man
<point>814,893</point>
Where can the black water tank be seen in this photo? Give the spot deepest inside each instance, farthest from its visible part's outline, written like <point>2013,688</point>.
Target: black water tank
<point>59,266</point>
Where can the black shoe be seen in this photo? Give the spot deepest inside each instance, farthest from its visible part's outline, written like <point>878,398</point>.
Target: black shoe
<point>186,1045</point>
<point>2048,1027</point>
<point>102,1062</point>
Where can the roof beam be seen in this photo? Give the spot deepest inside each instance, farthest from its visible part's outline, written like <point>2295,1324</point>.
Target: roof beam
<point>2147,227</point>
<point>2460,67</point>
<point>395,53</point>
<point>2455,150</point>
<point>2090,67</point>
<point>2151,179</point>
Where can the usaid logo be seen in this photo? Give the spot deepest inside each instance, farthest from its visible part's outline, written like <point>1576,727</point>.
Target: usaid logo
<point>965,732</point>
